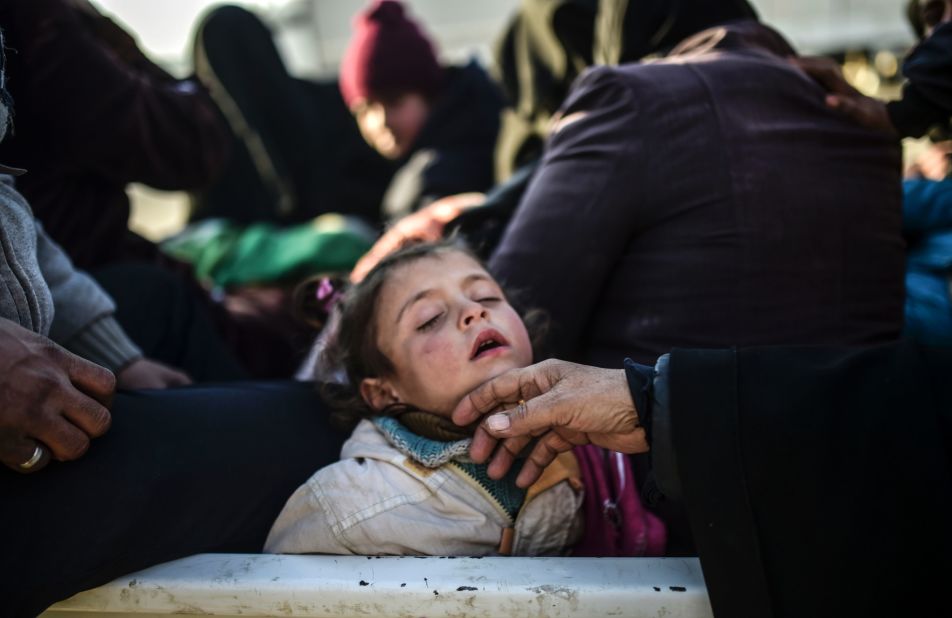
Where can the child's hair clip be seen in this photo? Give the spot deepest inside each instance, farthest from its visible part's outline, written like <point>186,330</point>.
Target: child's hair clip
<point>328,293</point>
<point>315,299</point>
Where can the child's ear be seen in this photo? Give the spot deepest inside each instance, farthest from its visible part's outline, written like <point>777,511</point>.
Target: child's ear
<point>378,393</point>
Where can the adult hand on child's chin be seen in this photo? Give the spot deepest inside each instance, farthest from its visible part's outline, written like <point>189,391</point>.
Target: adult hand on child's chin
<point>425,225</point>
<point>564,405</point>
<point>149,374</point>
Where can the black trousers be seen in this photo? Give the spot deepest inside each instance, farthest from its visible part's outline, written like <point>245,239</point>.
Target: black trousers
<point>170,320</point>
<point>297,151</point>
<point>183,471</point>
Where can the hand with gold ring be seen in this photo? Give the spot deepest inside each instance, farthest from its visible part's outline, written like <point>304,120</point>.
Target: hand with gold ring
<point>52,403</point>
<point>562,403</point>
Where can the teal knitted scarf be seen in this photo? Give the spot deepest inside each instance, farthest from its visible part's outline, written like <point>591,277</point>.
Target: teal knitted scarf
<point>435,453</point>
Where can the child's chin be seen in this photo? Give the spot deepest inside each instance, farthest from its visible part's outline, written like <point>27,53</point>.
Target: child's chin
<point>496,369</point>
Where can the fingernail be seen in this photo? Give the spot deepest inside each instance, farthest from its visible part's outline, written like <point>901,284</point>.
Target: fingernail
<point>498,422</point>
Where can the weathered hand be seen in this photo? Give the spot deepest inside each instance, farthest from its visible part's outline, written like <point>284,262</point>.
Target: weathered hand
<point>842,97</point>
<point>564,405</point>
<point>145,374</point>
<point>425,225</point>
<point>49,398</point>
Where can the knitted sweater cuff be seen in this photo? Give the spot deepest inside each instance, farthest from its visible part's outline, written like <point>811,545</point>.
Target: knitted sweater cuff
<point>105,343</point>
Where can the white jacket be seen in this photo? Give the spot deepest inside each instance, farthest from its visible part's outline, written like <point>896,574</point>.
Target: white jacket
<point>377,500</point>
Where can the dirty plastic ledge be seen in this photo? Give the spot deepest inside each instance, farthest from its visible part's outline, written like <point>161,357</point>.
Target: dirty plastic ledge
<point>343,586</point>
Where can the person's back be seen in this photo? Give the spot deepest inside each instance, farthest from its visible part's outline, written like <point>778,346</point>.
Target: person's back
<point>709,199</point>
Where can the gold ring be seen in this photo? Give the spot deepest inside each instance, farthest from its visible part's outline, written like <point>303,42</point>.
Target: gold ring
<point>32,461</point>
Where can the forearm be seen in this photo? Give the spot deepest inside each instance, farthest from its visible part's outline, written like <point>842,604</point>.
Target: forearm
<point>83,319</point>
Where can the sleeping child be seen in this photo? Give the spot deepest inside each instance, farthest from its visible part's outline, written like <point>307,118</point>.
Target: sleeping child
<point>424,327</point>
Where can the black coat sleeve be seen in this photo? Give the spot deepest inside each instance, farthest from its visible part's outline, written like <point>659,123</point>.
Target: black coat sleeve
<point>817,480</point>
<point>927,96</point>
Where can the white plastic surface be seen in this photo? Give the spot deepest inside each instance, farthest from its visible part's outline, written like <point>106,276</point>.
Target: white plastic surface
<point>350,586</point>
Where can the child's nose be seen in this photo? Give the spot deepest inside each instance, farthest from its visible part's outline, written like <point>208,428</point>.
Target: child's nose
<point>471,312</point>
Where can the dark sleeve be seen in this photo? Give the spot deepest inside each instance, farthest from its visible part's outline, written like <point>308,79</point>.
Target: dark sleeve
<point>577,215</point>
<point>434,173</point>
<point>484,225</point>
<point>808,472</point>
<point>457,170</point>
<point>927,94</point>
<point>119,119</point>
<point>640,384</point>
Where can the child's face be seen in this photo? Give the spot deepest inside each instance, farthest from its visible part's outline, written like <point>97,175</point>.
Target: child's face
<point>391,126</point>
<point>445,325</point>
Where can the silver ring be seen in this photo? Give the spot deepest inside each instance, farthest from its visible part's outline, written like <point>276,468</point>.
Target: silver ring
<point>522,409</point>
<point>32,461</point>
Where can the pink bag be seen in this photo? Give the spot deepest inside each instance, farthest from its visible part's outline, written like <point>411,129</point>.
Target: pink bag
<point>616,524</point>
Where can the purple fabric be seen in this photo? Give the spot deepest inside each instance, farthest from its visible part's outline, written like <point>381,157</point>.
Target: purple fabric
<point>616,524</point>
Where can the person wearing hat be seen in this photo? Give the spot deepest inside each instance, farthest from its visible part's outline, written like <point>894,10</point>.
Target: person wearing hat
<point>431,128</point>
<point>439,123</point>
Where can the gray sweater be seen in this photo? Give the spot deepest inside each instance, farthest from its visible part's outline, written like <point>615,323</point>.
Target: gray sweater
<point>40,290</point>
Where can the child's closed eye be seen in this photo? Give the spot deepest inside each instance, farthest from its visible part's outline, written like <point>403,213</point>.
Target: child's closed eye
<point>430,323</point>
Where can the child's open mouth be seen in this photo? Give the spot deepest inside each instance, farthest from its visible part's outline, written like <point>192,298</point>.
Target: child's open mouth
<point>487,342</point>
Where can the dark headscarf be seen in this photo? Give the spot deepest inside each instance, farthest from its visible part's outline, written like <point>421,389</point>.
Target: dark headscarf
<point>546,45</point>
<point>629,30</point>
<point>549,43</point>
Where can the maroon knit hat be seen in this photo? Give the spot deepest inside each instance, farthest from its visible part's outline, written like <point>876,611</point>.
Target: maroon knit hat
<point>388,54</point>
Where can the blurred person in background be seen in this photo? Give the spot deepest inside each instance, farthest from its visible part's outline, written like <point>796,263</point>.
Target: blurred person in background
<point>927,94</point>
<point>926,104</point>
<point>544,48</point>
<point>94,114</point>
<point>432,127</point>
